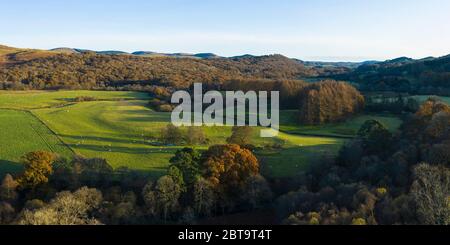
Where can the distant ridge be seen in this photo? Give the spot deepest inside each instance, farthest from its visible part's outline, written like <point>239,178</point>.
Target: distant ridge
<point>177,55</point>
<point>11,55</point>
<point>65,50</point>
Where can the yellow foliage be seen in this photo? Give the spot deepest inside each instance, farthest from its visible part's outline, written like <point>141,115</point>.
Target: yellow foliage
<point>38,166</point>
<point>359,221</point>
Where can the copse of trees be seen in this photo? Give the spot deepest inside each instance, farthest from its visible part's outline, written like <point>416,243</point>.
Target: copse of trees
<point>65,209</point>
<point>328,102</point>
<point>175,135</point>
<point>224,178</point>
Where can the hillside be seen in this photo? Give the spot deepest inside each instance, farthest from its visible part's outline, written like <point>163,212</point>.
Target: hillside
<point>424,76</point>
<point>11,56</point>
<point>66,68</point>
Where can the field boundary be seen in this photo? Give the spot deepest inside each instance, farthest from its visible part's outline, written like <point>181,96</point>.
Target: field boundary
<point>42,122</point>
<point>53,132</point>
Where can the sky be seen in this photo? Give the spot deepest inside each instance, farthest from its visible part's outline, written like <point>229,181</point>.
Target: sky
<point>322,30</point>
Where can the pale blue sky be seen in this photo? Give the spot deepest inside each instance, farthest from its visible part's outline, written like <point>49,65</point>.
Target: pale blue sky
<point>306,29</point>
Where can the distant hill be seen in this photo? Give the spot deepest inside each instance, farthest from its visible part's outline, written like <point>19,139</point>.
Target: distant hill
<point>245,56</point>
<point>76,68</point>
<point>70,67</point>
<point>10,55</point>
<point>424,76</point>
<point>176,55</point>
<point>113,52</point>
<point>65,50</point>
<point>206,55</point>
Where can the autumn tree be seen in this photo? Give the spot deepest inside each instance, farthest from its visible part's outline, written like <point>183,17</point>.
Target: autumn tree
<point>328,102</point>
<point>228,167</point>
<point>38,167</point>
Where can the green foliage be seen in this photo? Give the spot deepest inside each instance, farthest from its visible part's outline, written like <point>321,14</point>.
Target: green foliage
<point>375,136</point>
<point>177,176</point>
<point>167,193</point>
<point>187,161</point>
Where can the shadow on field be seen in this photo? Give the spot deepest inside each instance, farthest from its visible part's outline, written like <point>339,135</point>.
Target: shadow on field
<point>147,114</point>
<point>8,167</point>
<point>291,161</point>
<point>148,118</point>
<point>106,139</point>
<point>119,149</point>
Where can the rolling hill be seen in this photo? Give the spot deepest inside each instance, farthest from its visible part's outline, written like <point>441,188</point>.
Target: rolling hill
<point>423,76</point>
<point>11,56</point>
<point>75,69</point>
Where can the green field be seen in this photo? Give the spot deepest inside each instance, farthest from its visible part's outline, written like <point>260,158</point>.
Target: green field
<point>21,132</point>
<point>348,129</point>
<point>38,99</point>
<point>121,128</point>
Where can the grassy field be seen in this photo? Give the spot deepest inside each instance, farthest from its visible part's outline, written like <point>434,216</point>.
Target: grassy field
<point>21,133</point>
<point>39,99</point>
<point>288,121</point>
<point>296,154</point>
<point>120,127</point>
